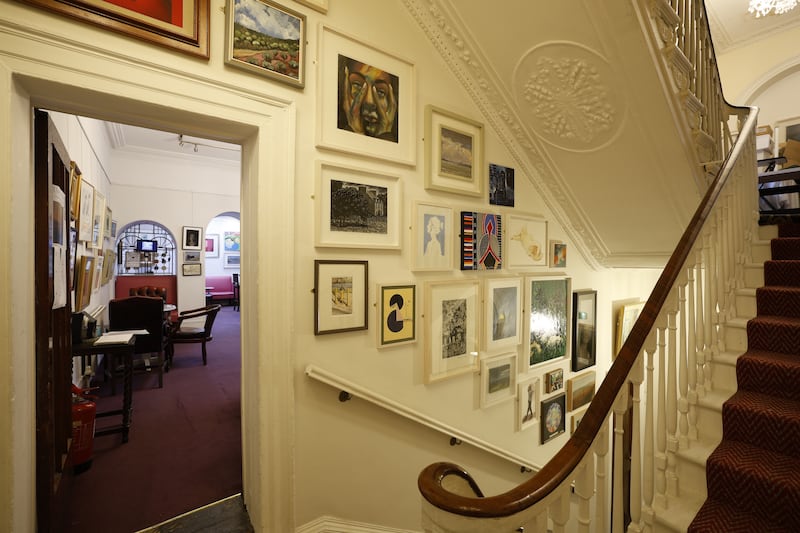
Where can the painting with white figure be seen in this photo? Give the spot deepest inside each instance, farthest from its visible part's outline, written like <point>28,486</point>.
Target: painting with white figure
<point>525,241</point>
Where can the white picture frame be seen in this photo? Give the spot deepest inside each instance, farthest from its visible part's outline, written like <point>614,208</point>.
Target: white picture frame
<point>529,393</point>
<point>502,315</point>
<point>498,379</point>
<point>85,209</point>
<point>525,243</point>
<point>454,153</point>
<point>548,320</point>
<point>432,234</point>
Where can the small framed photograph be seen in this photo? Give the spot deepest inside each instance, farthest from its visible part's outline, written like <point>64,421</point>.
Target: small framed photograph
<point>212,245</point>
<point>553,417</point>
<point>192,256</point>
<point>498,379</point>
<point>231,261</point>
<point>627,317</point>
<point>554,380</point>
<point>340,296</point>
<point>397,320</point>
<point>502,316</point>
<point>558,254</point>
<point>528,397</point>
<point>501,185</point>
<point>547,305</point>
<point>481,241</point>
<point>584,329</point>
<point>432,235</point>
<point>357,208</point>
<point>266,38</point>
<point>192,269</point>
<point>366,100</point>
<point>451,328</point>
<point>576,419</point>
<point>453,153</point>
<point>192,237</point>
<point>580,390</point>
<point>525,241</point>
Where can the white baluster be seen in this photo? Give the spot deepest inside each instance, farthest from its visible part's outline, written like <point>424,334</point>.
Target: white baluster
<point>700,329</point>
<point>661,419</point>
<point>617,505</point>
<point>601,520</point>
<point>584,490</point>
<point>691,352</point>
<point>672,397</point>
<point>683,365</point>
<point>637,375</point>
<point>648,477</point>
<point>559,510</point>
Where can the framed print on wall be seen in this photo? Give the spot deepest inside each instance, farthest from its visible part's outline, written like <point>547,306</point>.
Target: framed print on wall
<point>357,83</point>
<point>558,254</point>
<point>107,223</point>
<point>554,380</point>
<point>580,390</point>
<point>481,241</point>
<point>319,5</point>
<point>528,392</point>
<point>525,241</point>
<point>340,296</point>
<point>454,149</point>
<point>357,208</point>
<point>498,379</point>
<point>192,256</point>
<point>502,316</point>
<point>212,245</point>
<point>451,328</point>
<point>266,38</point>
<point>192,237</point>
<point>98,216</point>
<point>547,304</point>
<point>397,323</point>
<point>628,314</point>
<point>85,221</point>
<point>554,417</point>
<point>231,241</point>
<point>501,185</point>
<point>231,261</point>
<point>192,269</point>
<point>83,287</point>
<point>584,329</point>
<point>74,190</point>
<point>182,26</point>
<point>432,236</point>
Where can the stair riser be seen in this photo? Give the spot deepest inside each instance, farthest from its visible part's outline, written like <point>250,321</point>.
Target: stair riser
<point>762,429</point>
<point>767,232</point>
<point>773,337</point>
<point>735,338</point>
<point>787,248</point>
<point>778,302</point>
<point>692,478</point>
<point>773,376</point>
<point>723,376</point>
<point>754,275</point>
<point>746,305</point>
<point>709,423</point>
<point>781,273</point>
<point>760,251</point>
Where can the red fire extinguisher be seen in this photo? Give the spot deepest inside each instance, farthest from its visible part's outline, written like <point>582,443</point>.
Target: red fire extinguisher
<point>84,411</point>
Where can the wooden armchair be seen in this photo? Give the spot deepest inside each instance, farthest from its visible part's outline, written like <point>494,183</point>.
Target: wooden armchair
<point>142,312</point>
<point>182,334</point>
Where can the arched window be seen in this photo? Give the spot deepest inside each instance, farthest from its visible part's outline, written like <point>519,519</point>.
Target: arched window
<point>145,247</point>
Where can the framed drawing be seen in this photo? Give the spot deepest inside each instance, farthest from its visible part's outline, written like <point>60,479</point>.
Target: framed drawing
<point>453,153</point>
<point>580,390</point>
<point>547,304</point>
<point>212,245</point>
<point>576,419</point>
<point>628,314</point>
<point>113,229</point>
<point>107,223</point>
<point>526,241</point>
<point>554,380</point>
<point>366,100</point>
<point>182,26</point>
<point>74,190</point>
<point>357,208</point>
<point>340,296</point>
<point>397,306</point>
<point>83,288</point>
<point>192,237</point>
<point>109,259</point>
<point>481,241</point>
<point>98,272</point>
<point>528,392</point>
<point>498,379</point>
<point>451,328</point>
<point>192,269</point>
<point>501,185</point>
<point>584,329</point>
<point>432,235</point>
<point>266,38</point>
<point>319,5</point>
<point>232,261</point>
<point>553,417</point>
<point>192,256</point>
<point>558,254</point>
<point>502,315</point>
<point>86,207</point>
<point>98,216</point>
<point>231,241</point>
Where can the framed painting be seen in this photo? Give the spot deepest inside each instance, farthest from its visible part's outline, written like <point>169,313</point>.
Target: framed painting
<point>231,261</point>
<point>525,241</point>
<point>454,148</point>
<point>580,390</point>
<point>502,316</point>
<point>432,235</point>
<point>357,208</point>
<point>397,306</point>
<point>192,237</point>
<point>558,254</point>
<point>74,190</point>
<point>481,241</point>
<point>109,260</point>
<point>451,328</point>
<point>501,185</point>
<point>181,26</point>
<point>83,288</point>
<point>266,38</point>
<point>107,223</point>
<point>98,216</point>
<point>547,304</point>
<point>231,241</point>
<point>366,100</point>
<point>212,245</point>
<point>498,379</point>
<point>191,256</point>
<point>98,272</point>
<point>192,269</point>
<point>340,296</point>
<point>113,229</point>
<point>554,380</point>
<point>85,221</point>
<point>553,417</point>
<point>584,329</point>
<point>576,420</point>
<point>528,394</point>
<point>627,316</point>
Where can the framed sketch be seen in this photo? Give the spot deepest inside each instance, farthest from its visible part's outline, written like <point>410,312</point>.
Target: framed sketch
<point>231,261</point>
<point>501,185</point>
<point>502,315</point>
<point>528,397</point>
<point>109,259</point>
<point>432,235</point>
<point>266,38</point>
<point>98,272</point>
<point>192,256</point>
<point>366,100</point>
<point>357,208</point>
<point>580,390</point>
<point>98,216</point>
<point>397,320</point>
<point>192,237</point>
<point>554,380</point>
<point>584,329</point>
<point>231,241</point>
<point>525,241</point>
<point>454,148</point>
<point>576,420</point>
<point>547,305</point>
<point>74,190</point>
<point>451,328</point>
<point>627,316</point>
<point>182,26</point>
<point>113,229</point>
<point>212,245</point>
<point>107,223</point>
<point>83,288</point>
<point>553,417</point>
<point>85,221</point>
<point>558,254</point>
<point>498,379</point>
<point>319,5</point>
<point>340,296</point>
<point>481,241</point>
<point>192,269</point>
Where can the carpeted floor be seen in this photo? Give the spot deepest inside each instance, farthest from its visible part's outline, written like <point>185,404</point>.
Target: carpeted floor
<point>184,449</point>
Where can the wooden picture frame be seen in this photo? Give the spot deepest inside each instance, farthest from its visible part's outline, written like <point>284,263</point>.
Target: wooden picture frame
<point>86,207</point>
<point>502,315</point>
<point>357,208</point>
<point>481,241</point>
<point>575,420</point>
<point>231,261</point>
<point>107,223</point>
<point>109,260</point>
<point>498,379</point>
<point>627,316</point>
<point>501,185</point>
<point>554,380</point>
<point>192,269</point>
<point>397,315</point>
<point>393,79</point>
<point>74,190</point>
<point>529,390</point>
<point>184,31</point>
<point>454,152</point>
<point>547,319</point>
<point>191,256</point>
<point>340,296</point>
<point>525,241</point>
<point>212,245</point>
<point>580,390</point>
<point>83,288</point>
<point>553,417</point>
<point>98,216</point>
<point>432,237</point>
<point>584,329</point>
<point>276,50</point>
<point>192,237</point>
<point>451,328</point>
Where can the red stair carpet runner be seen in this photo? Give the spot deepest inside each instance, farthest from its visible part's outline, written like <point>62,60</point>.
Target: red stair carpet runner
<point>753,476</point>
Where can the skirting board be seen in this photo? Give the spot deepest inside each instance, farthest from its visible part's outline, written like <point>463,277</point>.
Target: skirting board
<point>329,524</point>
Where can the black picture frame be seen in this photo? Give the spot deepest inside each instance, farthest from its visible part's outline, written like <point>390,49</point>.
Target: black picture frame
<point>554,415</point>
<point>584,329</point>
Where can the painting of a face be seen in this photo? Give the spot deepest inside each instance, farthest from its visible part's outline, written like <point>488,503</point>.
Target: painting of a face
<point>368,99</point>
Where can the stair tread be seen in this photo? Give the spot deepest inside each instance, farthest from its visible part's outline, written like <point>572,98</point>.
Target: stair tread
<point>720,517</point>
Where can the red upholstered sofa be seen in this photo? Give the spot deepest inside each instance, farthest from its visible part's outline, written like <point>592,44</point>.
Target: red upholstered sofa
<point>222,288</point>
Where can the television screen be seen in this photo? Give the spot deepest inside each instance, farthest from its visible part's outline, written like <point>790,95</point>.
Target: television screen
<point>146,246</point>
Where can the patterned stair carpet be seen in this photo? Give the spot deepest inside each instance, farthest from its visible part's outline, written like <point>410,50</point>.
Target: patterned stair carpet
<point>753,476</point>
